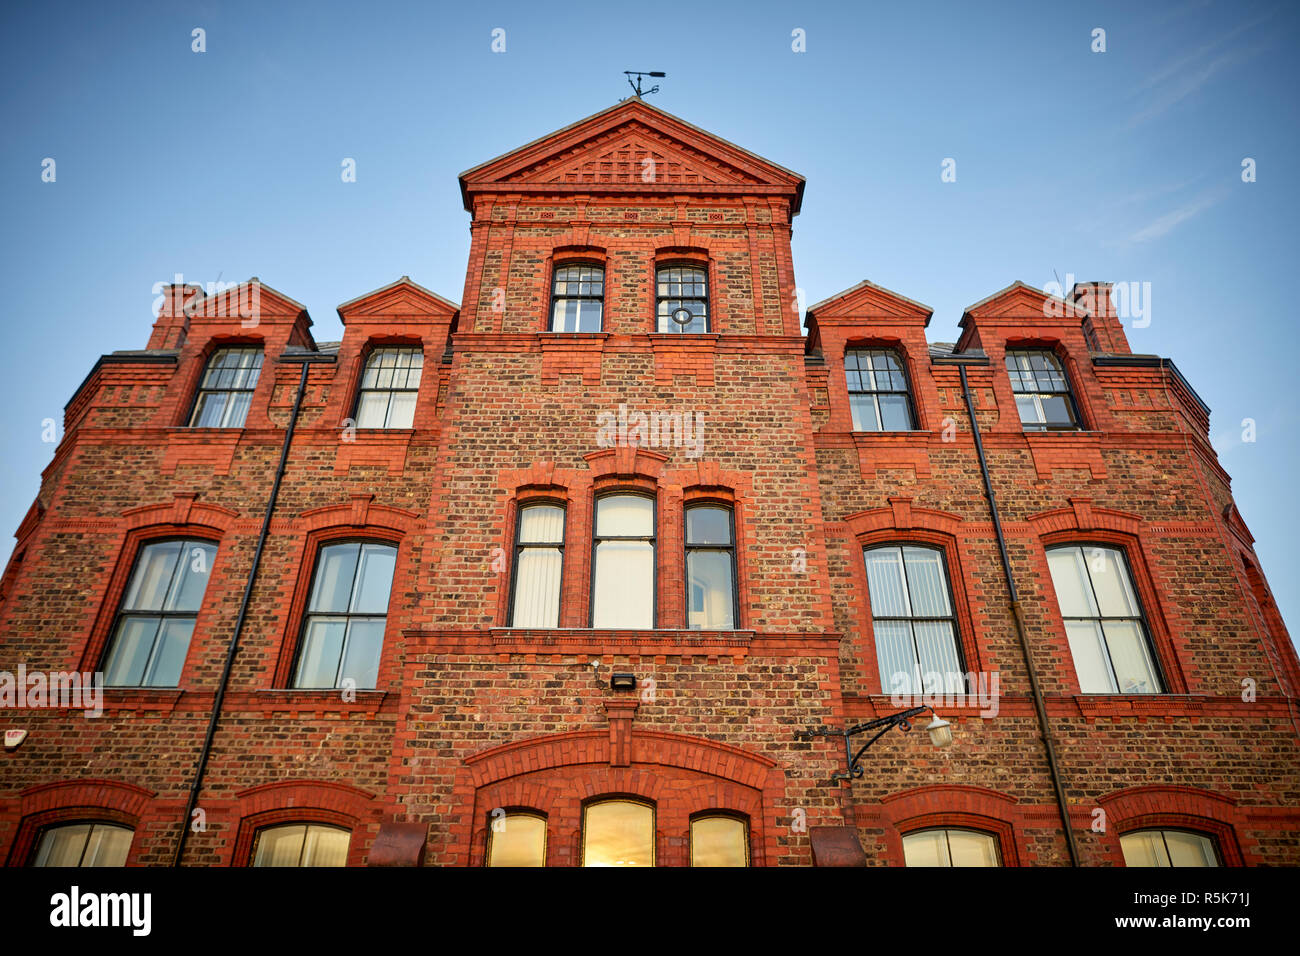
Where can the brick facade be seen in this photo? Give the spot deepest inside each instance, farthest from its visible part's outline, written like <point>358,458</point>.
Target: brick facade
<point>470,715</point>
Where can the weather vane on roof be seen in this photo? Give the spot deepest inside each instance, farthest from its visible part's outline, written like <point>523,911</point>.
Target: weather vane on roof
<point>636,87</point>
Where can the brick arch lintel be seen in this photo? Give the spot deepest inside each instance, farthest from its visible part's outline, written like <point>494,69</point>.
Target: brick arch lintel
<point>1175,807</point>
<point>1082,516</point>
<point>901,516</point>
<point>91,792</point>
<point>183,509</point>
<point>360,511</point>
<point>626,461</point>
<point>307,795</point>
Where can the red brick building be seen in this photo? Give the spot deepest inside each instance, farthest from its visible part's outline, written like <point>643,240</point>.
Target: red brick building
<point>434,544</point>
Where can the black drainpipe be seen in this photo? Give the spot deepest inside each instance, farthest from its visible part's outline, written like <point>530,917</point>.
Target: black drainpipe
<point>239,621</point>
<point>1020,625</point>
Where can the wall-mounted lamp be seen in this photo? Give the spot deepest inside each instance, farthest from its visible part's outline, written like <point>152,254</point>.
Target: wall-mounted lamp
<point>939,729</point>
<point>622,681</point>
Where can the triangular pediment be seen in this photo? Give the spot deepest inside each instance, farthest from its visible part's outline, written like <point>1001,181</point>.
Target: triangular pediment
<point>1021,301</point>
<point>239,301</point>
<point>632,146</point>
<point>866,300</point>
<point>399,298</point>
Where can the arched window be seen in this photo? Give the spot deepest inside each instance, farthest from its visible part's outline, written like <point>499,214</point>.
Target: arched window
<point>913,621</point>
<point>710,568</point>
<point>618,833</point>
<point>539,564</point>
<point>83,844</point>
<point>623,573</point>
<point>950,847</point>
<point>719,840</point>
<point>226,389</point>
<point>578,298</point>
<point>1103,620</point>
<point>301,844</point>
<point>1168,848</point>
<point>681,288</point>
<point>343,635</point>
<point>878,393</point>
<point>517,838</point>
<point>390,385</point>
<point>1042,390</point>
<point>156,619</point>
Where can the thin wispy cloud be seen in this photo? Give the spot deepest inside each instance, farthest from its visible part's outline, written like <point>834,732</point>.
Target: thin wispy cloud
<point>1167,223</point>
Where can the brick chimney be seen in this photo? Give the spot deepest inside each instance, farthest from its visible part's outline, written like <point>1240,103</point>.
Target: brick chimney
<point>172,325</point>
<point>1101,324</point>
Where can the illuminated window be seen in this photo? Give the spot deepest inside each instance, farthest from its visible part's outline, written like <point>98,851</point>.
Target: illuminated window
<point>878,396</point>
<point>618,833</point>
<point>950,848</point>
<point>678,288</point>
<point>389,387</point>
<point>623,577</point>
<point>710,568</point>
<point>83,844</point>
<point>517,839</point>
<point>577,298</point>
<point>302,844</point>
<point>539,562</point>
<point>343,634</point>
<point>156,619</point>
<point>718,840</point>
<point>226,389</point>
<point>1168,848</point>
<point>1108,638</point>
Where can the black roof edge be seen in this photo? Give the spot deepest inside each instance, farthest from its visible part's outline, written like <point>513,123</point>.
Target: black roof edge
<point>1149,361</point>
<point>308,358</point>
<point>960,358</point>
<point>112,359</point>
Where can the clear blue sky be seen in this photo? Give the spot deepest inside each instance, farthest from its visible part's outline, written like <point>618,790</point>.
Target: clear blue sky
<point>1123,165</point>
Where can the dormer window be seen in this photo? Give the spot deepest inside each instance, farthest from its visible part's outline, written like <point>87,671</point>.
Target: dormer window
<point>682,299</point>
<point>1042,391</point>
<point>578,298</point>
<point>878,395</point>
<point>389,388</point>
<point>226,390</point>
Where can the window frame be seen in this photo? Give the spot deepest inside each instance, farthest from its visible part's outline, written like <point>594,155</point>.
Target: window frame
<point>672,328</point>
<point>556,269</point>
<point>619,798</point>
<point>740,818</point>
<point>901,358</point>
<point>1212,839</point>
<point>520,546</point>
<point>371,351</point>
<point>994,838</point>
<point>259,831</point>
<point>518,812</point>
<point>1143,620</point>
<point>306,614</point>
<point>955,616</point>
<point>653,540</point>
<point>115,622</point>
<point>199,390</point>
<point>730,549</point>
<point>1076,422</point>
<point>92,822</point>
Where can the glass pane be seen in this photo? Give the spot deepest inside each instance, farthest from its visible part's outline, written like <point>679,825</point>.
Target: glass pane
<point>1028,409</point>
<point>624,585</point>
<point>208,410</point>
<point>108,846</point>
<point>709,590</point>
<point>372,410</point>
<point>401,410</point>
<point>192,579</point>
<point>280,846</point>
<point>1144,848</point>
<point>885,584</point>
<point>62,846</point>
<point>708,525</point>
<point>926,848</point>
<point>1128,656</point>
<point>517,839</point>
<point>589,316</point>
<point>1089,657</point>
<point>557,315</point>
<point>624,515</point>
<point>968,848</point>
<point>896,656</point>
<point>321,647</point>
<point>374,579</point>
<point>152,577</point>
<point>1070,579</point>
<point>863,409</point>
<point>169,655</point>
<point>334,572</point>
<point>1189,849</point>
<point>537,588</point>
<point>541,524</point>
<point>365,644</point>
<point>894,413</point>
<point>1056,410</point>
<point>939,662</point>
<point>125,664</point>
<point>719,841</point>
<point>618,833</point>
<point>927,584</point>
<point>1110,583</point>
<point>325,846</point>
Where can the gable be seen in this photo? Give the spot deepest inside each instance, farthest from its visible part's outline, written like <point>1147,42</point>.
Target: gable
<point>866,300</point>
